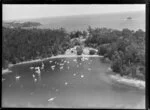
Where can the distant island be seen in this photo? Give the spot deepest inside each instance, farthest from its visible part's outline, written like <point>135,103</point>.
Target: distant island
<point>20,25</point>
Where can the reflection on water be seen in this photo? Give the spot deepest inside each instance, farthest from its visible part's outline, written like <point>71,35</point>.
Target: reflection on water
<point>67,82</point>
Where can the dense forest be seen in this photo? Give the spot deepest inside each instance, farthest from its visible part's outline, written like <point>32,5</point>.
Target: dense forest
<point>125,49</point>
<point>22,44</point>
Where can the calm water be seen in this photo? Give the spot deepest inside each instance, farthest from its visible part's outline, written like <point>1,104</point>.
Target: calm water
<point>81,22</point>
<point>73,82</point>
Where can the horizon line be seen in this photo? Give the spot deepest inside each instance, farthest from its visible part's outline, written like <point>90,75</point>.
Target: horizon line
<point>34,18</point>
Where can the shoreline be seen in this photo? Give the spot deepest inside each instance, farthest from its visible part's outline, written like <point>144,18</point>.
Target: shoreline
<point>53,57</point>
<point>140,84</point>
<point>7,70</point>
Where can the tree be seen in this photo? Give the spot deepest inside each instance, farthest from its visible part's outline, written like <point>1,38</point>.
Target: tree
<point>92,52</point>
<point>22,44</point>
<point>79,50</point>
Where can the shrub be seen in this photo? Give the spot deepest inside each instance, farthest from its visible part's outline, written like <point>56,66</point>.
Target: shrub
<point>79,50</point>
<point>102,50</point>
<point>116,66</point>
<point>92,52</point>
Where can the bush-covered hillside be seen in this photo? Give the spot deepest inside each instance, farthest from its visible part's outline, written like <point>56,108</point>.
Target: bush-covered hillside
<point>21,44</point>
<point>125,49</point>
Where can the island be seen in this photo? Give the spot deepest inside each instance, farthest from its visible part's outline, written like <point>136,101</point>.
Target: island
<point>17,24</point>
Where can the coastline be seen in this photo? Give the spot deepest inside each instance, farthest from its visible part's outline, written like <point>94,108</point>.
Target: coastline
<point>7,70</point>
<point>53,57</point>
<point>58,56</point>
<point>140,84</point>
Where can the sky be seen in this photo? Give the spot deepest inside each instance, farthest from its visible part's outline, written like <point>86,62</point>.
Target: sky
<point>18,12</point>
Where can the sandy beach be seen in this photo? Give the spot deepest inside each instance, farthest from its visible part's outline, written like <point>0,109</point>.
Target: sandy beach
<point>127,80</point>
